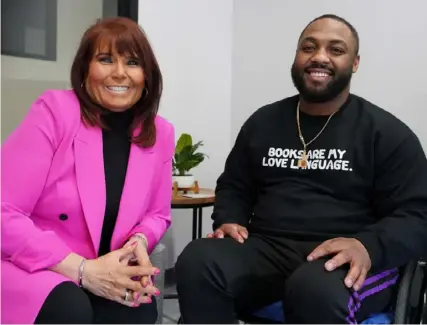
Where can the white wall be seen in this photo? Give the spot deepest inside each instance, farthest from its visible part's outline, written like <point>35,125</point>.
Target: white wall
<point>74,17</point>
<point>393,47</point>
<point>223,59</point>
<point>192,41</point>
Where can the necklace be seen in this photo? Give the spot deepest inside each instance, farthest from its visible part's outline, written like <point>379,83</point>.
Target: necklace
<point>302,162</point>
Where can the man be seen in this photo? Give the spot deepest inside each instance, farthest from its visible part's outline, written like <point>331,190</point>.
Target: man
<point>323,198</point>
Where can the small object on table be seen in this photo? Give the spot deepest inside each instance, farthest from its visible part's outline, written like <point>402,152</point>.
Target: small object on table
<point>194,188</point>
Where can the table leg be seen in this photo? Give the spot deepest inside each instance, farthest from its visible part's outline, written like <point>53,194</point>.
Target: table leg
<point>196,233</point>
<point>194,223</point>
<point>200,222</point>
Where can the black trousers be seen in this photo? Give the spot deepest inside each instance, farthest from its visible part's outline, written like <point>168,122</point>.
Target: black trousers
<point>221,281</point>
<point>69,304</point>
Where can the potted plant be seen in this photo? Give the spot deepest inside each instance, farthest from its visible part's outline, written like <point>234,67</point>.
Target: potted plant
<point>186,158</point>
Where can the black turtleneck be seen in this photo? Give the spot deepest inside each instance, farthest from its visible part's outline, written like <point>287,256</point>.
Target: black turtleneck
<point>116,148</point>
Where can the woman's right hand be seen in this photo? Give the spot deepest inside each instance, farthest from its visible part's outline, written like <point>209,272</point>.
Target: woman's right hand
<point>107,277</point>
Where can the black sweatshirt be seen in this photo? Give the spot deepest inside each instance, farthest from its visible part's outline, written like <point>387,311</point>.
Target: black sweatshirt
<point>366,179</point>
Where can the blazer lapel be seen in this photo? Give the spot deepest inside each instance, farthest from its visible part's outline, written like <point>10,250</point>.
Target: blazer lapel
<point>136,192</point>
<point>88,152</point>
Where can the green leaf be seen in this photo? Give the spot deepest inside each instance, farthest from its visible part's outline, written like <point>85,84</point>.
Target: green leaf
<point>186,157</point>
<point>183,141</point>
<point>196,146</point>
<point>198,156</point>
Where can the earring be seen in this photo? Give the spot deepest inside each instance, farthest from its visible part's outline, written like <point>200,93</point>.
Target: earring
<point>146,93</point>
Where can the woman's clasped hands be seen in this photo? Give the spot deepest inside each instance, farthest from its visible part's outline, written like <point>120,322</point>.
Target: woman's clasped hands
<point>121,276</point>
<point>141,257</point>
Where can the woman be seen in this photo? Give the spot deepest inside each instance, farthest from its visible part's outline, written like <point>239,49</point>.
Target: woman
<point>86,188</point>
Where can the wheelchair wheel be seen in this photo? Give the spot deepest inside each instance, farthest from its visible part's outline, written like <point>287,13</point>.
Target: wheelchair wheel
<point>402,315</point>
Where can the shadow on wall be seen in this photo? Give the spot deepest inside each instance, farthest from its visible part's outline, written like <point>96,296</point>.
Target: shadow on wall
<point>16,98</point>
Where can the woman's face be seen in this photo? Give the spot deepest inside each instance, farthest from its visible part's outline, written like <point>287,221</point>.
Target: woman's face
<point>115,82</point>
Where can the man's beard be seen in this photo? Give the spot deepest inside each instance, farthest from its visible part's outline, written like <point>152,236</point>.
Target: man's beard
<point>338,83</point>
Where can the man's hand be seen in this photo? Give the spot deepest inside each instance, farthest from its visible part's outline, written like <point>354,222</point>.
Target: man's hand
<point>233,230</point>
<point>346,250</point>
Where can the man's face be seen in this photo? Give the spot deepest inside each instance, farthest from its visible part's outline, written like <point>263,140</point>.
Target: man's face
<point>325,60</point>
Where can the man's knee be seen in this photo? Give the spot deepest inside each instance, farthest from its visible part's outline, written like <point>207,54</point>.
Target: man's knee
<point>194,257</point>
<point>315,295</point>
<point>214,261</point>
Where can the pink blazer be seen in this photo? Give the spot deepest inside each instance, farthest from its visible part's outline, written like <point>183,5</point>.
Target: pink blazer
<point>53,198</point>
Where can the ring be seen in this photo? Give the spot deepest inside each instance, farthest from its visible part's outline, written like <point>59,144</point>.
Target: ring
<point>126,298</point>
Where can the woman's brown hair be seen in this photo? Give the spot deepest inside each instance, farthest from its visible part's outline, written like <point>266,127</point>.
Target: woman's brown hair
<point>126,37</point>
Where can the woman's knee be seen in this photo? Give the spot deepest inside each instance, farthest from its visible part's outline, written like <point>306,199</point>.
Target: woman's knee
<point>66,304</point>
<point>150,314</point>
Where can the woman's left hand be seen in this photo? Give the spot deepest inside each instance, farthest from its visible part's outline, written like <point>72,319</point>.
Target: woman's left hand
<point>142,258</point>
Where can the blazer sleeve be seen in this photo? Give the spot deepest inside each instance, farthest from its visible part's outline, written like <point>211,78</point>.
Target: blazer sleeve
<point>158,216</point>
<point>26,157</point>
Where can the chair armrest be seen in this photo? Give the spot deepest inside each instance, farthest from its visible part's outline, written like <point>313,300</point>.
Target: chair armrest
<point>158,258</point>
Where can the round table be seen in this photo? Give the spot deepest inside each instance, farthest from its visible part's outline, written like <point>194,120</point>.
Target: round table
<point>205,198</point>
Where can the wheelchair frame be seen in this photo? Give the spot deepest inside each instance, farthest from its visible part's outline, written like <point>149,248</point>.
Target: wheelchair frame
<point>411,301</point>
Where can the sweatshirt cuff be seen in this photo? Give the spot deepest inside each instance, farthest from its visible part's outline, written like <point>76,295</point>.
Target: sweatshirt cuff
<point>373,246</point>
<point>218,222</point>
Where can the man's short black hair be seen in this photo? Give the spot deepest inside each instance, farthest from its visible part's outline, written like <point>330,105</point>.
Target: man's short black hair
<point>342,20</point>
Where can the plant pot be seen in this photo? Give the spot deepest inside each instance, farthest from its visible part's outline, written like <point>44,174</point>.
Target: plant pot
<point>185,181</point>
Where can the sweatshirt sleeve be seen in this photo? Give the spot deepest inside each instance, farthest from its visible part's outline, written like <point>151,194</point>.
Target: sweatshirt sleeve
<point>235,191</point>
<point>400,200</point>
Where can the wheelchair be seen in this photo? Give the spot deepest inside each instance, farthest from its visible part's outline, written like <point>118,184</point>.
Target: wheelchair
<point>410,306</point>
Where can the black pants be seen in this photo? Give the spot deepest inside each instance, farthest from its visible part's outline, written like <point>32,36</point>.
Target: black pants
<point>69,304</point>
<point>221,281</point>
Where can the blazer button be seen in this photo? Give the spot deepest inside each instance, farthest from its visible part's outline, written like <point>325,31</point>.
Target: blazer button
<point>63,217</point>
